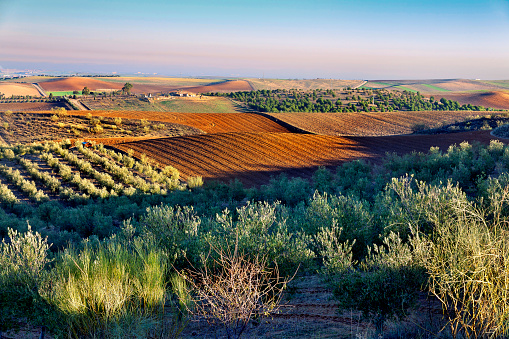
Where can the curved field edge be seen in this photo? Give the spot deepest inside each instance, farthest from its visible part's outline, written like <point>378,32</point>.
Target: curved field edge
<point>207,122</point>
<point>372,124</point>
<point>254,157</point>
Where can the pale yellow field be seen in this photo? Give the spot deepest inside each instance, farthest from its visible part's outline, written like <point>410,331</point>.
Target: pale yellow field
<point>309,84</point>
<point>9,88</point>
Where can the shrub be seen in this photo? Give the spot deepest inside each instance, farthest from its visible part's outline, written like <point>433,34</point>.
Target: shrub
<point>195,182</point>
<point>261,228</point>
<point>22,261</point>
<point>384,285</point>
<point>233,289</point>
<point>467,261</point>
<point>176,230</point>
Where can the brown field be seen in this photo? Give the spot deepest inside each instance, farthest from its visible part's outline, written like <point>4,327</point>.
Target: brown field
<point>207,122</point>
<point>9,88</point>
<point>39,127</point>
<point>165,81</point>
<point>370,124</point>
<point>495,99</point>
<point>77,84</point>
<point>28,106</point>
<point>223,87</point>
<point>254,157</point>
<point>270,84</point>
<point>454,85</point>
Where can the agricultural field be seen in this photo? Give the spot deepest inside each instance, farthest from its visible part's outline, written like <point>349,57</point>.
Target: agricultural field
<point>200,104</point>
<point>161,81</point>
<point>9,89</point>
<point>299,224</point>
<point>434,86</point>
<point>495,99</point>
<point>207,122</point>
<point>60,124</point>
<point>77,84</point>
<point>254,157</point>
<point>140,85</point>
<point>304,85</point>
<point>375,123</point>
<point>311,191</point>
<point>30,106</point>
<point>66,172</point>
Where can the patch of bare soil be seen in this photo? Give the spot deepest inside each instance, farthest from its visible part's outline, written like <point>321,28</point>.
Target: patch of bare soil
<point>223,87</point>
<point>373,123</point>
<point>254,157</point>
<point>29,106</point>
<point>305,84</point>
<point>37,127</point>
<point>9,88</point>
<point>495,99</point>
<point>308,310</point>
<point>77,84</point>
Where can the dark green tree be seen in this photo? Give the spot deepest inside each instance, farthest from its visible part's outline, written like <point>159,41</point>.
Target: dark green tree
<point>127,88</point>
<point>85,91</point>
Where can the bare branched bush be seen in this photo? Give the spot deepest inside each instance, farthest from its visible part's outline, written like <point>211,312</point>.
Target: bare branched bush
<point>232,289</point>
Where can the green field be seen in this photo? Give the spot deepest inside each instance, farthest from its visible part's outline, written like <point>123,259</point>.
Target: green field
<point>436,88</point>
<point>501,83</point>
<point>61,93</point>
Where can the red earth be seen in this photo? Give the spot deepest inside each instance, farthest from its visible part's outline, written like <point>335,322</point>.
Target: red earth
<point>254,157</point>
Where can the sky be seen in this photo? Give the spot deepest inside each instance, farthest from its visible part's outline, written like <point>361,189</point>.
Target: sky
<point>340,39</point>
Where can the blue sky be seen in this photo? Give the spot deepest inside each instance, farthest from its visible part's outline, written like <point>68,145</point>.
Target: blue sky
<point>347,39</point>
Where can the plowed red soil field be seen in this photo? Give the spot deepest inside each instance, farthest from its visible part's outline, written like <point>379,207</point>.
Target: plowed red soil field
<point>254,157</point>
<point>207,122</point>
<point>370,124</point>
<point>226,86</point>
<point>77,84</point>
<point>496,99</point>
<point>27,106</point>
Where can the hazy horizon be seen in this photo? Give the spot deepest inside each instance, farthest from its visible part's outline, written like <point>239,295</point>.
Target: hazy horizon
<point>284,39</point>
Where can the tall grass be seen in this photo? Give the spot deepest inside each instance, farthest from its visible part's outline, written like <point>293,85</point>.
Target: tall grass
<point>110,290</point>
<point>467,261</point>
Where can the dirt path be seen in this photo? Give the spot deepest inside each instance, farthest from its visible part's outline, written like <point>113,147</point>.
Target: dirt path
<point>360,85</point>
<point>78,104</point>
<point>39,88</point>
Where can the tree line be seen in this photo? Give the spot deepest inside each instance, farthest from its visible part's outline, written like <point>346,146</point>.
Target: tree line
<point>338,101</point>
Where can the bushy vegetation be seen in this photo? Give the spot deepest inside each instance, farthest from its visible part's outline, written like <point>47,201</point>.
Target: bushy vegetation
<point>346,100</point>
<point>378,235</point>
